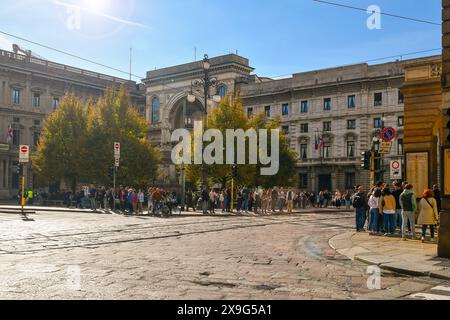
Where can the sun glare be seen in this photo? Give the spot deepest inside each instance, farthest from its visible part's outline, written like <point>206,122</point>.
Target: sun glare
<point>97,6</point>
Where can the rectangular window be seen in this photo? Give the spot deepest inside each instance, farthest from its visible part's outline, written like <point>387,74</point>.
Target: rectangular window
<point>304,107</point>
<point>303,151</point>
<point>327,150</point>
<point>304,128</point>
<point>377,123</point>
<point>16,137</point>
<point>327,126</point>
<point>350,180</point>
<point>401,98</point>
<point>16,120</point>
<point>36,100</point>
<point>351,103</point>
<point>351,149</point>
<point>249,112</point>
<point>400,148</point>
<point>303,180</point>
<point>401,121</point>
<point>327,104</point>
<point>37,122</point>
<point>267,111</point>
<point>285,109</point>
<point>55,103</point>
<point>351,124</point>
<point>285,130</point>
<point>378,99</point>
<point>36,137</point>
<point>16,96</point>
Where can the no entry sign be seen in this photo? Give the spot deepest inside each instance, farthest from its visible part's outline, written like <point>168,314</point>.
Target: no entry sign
<point>396,170</point>
<point>388,134</point>
<point>24,154</point>
<point>117,150</point>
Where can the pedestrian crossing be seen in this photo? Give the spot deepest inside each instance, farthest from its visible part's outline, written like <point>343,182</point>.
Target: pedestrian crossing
<point>437,293</point>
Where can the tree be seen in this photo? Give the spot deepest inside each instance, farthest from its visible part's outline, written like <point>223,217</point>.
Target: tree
<point>231,115</point>
<point>61,150</point>
<point>78,138</point>
<point>114,120</point>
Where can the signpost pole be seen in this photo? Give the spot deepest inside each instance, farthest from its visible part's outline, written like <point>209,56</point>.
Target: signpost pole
<point>22,200</point>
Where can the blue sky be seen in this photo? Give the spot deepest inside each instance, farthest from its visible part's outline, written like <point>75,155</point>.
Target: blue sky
<point>279,37</point>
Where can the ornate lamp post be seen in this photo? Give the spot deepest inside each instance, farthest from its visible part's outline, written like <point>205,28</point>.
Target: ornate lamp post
<point>206,83</point>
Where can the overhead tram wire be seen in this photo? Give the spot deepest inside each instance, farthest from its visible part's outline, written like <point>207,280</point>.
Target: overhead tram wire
<point>382,13</point>
<point>71,55</point>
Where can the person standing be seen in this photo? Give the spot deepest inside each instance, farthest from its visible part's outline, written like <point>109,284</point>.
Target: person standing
<point>92,196</point>
<point>374,205</point>
<point>388,209</point>
<point>360,204</point>
<point>274,199</point>
<point>205,200</point>
<point>290,200</point>
<point>398,190</point>
<point>282,200</point>
<point>140,201</point>
<point>409,207</point>
<point>245,198</point>
<point>212,201</point>
<point>437,197</point>
<point>428,215</point>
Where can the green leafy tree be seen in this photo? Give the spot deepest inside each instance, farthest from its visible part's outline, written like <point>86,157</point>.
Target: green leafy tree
<point>231,115</point>
<point>61,150</point>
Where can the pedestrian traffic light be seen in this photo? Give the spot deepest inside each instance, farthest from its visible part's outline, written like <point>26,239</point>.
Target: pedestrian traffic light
<point>366,160</point>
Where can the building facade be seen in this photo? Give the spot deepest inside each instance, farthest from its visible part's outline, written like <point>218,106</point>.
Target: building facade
<point>31,89</point>
<point>330,116</point>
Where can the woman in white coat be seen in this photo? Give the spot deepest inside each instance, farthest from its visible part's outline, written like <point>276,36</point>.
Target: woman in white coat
<point>428,215</point>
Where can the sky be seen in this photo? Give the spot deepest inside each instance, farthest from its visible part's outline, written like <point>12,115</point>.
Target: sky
<point>279,37</point>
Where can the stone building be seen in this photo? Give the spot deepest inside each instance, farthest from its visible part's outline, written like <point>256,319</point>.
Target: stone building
<point>346,107</point>
<point>30,89</point>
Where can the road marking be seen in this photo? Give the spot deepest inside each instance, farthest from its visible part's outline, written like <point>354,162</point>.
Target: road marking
<point>429,296</point>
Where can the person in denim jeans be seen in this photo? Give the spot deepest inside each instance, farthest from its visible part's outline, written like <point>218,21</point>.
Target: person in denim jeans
<point>360,204</point>
<point>409,206</point>
<point>387,207</point>
<point>374,205</point>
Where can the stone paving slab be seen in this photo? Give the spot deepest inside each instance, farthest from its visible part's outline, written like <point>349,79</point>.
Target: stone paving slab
<point>389,253</point>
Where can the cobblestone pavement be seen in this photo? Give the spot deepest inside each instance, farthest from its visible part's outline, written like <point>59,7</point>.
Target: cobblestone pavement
<point>99,256</point>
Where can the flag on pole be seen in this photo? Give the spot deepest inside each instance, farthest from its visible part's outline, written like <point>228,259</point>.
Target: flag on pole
<point>316,143</point>
<point>10,135</point>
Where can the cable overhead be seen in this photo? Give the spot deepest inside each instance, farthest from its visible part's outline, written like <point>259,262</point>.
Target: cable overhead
<point>70,54</point>
<point>382,13</point>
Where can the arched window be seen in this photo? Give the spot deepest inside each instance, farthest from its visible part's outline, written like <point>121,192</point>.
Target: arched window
<point>155,110</point>
<point>222,90</point>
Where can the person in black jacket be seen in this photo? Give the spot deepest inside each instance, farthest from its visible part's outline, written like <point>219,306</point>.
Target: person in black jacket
<point>205,200</point>
<point>437,196</point>
<point>398,190</point>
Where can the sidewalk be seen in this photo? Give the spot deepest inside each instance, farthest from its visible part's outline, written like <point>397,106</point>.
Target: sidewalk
<point>410,257</point>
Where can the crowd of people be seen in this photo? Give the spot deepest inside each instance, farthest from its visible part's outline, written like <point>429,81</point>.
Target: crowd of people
<point>388,210</point>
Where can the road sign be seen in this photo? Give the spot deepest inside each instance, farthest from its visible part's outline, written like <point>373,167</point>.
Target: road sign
<point>388,134</point>
<point>117,162</point>
<point>396,170</point>
<point>24,154</point>
<point>385,148</point>
<point>117,150</point>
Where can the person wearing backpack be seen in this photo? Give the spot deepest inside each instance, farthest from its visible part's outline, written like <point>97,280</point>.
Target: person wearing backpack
<point>360,204</point>
<point>428,215</point>
<point>409,206</point>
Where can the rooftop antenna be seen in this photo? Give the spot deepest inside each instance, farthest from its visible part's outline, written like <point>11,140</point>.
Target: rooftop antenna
<point>195,54</point>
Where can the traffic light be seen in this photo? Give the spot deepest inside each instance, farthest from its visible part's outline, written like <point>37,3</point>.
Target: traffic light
<point>377,161</point>
<point>366,160</point>
<point>19,169</point>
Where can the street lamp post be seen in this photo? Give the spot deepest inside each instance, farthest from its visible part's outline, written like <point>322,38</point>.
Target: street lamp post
<point>206,83</point>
